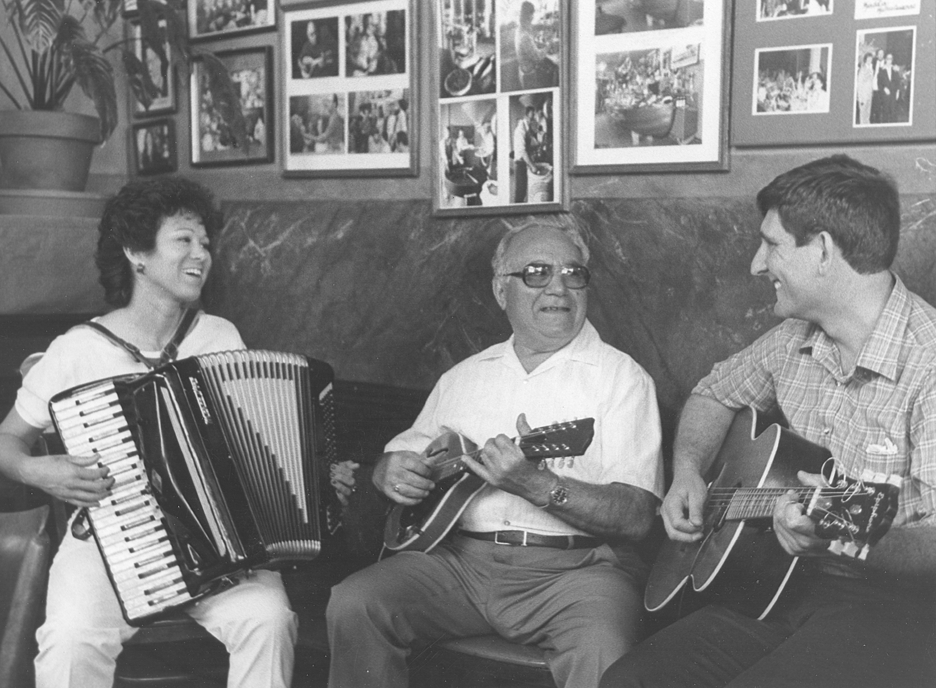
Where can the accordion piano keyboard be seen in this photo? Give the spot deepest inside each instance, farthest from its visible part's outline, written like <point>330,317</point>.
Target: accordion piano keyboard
<point>128,524</point>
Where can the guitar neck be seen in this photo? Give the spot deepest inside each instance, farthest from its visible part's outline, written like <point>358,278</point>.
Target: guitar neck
<point>745,503</point>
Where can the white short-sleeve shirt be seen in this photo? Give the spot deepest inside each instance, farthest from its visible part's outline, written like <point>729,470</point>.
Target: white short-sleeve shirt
<point>83,355</point>
<point>482,396</point>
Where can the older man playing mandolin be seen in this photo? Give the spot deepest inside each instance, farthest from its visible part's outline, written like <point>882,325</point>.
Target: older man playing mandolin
<point>543,553</point>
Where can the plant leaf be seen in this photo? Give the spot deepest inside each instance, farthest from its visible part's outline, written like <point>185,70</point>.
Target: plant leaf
<point>141,83</point>
<point>160,25</point>
<point>106,12</point>
<point>92,72</point>
<point>38,20</point>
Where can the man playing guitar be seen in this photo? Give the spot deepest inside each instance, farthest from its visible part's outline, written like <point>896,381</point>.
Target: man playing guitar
<point>543,554</point>
<point>853,369</point>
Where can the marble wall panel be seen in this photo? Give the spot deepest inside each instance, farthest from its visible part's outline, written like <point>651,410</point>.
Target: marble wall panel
<point>386,293</point>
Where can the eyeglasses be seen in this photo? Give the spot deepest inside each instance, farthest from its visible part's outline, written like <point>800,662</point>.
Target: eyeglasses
<point>538,275</point>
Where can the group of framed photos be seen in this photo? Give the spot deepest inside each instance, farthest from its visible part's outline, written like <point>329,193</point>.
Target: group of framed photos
<point>155,149</point>
<point>833,71</point>
<point>347,92</point>
<point>638,86</point>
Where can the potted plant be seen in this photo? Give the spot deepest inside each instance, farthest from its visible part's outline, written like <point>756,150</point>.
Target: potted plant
<point>50,51</point>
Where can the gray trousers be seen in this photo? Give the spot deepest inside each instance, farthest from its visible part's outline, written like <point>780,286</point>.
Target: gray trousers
<point>581,606</point>
<point>838,632</point>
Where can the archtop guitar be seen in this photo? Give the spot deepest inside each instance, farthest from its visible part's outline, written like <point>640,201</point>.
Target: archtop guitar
<point>756,464</point>
<point>420,527</point>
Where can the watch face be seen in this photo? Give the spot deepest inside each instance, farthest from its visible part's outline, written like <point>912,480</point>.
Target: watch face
<point>559,495</point>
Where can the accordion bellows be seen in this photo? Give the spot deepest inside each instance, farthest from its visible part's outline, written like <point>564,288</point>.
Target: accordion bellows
<point>221,463</point>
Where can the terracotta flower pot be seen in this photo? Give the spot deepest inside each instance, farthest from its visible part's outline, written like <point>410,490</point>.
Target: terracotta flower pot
<point>46,150</point>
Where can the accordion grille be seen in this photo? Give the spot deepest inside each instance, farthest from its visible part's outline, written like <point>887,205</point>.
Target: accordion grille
<point>266,415</point>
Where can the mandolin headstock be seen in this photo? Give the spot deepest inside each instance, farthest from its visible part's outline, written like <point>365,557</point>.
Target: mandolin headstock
<point>570,438</point>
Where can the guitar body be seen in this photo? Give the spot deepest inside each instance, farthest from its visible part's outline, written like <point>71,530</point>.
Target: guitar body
<point>419,528</point>
<point>744,557</point>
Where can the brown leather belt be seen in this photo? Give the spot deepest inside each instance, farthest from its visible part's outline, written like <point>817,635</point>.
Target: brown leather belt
<point>523,538</point>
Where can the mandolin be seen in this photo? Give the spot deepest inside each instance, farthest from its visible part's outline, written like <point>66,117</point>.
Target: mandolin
<point>420,527</point>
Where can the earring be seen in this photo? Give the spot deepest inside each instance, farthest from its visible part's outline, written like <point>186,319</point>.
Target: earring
<point>140,268</point>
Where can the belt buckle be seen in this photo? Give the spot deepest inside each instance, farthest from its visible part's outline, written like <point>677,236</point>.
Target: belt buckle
<point>497,540</point>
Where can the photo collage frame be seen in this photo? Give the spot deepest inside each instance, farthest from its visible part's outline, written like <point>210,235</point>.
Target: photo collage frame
<point>497,106</point>
<point>348,89</point>
<point>833,71</point>
<point>650,86</point>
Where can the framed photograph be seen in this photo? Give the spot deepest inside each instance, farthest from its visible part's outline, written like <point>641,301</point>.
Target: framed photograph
<point>161,88</point>
<point>497,106</point>
<point>884,77</point>
<point>154,147</point>
<point>770,10</point>
<point>650,86</point>
<point>222,18</point>
<point>212,142</point>
<point>797,83</point>
<point>349,90</point>
<point>832,73</point>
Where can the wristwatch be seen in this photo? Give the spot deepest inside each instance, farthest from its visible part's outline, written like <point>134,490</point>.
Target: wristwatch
<point>559,495</point>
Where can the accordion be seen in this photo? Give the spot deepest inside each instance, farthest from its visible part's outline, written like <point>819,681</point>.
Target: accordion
<point>221,463</point>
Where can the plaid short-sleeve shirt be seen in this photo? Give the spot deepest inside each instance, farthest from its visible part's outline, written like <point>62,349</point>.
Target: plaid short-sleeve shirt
<point>881,416</point>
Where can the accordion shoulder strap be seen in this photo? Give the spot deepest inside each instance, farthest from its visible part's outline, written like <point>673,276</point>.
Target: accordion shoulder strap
<point>81,525</point>
<point>171,349</point>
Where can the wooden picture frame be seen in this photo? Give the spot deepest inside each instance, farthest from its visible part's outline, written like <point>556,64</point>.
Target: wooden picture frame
<point>349,91</point>
<point>210,19</point>
<point>650,86</point>
<point>781,63</point>
<point>211,142</point>
<point>498,112</point>
<point>162,75</point>
<point>154,146</point>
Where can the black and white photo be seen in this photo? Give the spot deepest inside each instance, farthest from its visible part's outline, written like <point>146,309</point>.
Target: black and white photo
<point>214,18</point>
<point>154,147</point>
<point>213,141</point>
<point>155,90</point>
<point>349,89</point>
<point>884,77</point>
<point>792,80</point>
<point>650,83</point>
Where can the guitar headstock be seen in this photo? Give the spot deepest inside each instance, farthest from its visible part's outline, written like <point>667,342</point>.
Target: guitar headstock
<point>571,438</point>
<point>855,514</point>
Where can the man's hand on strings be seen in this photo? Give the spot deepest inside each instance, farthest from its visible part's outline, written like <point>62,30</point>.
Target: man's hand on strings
<point>501,463</point>
<point>796,531</point>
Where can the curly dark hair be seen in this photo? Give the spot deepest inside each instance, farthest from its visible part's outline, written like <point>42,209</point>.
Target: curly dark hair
<point>858,205</point>
<point>131,220</point>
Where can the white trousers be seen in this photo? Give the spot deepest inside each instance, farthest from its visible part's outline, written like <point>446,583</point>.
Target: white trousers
<point>84,630</point>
